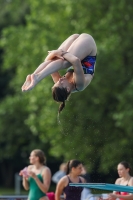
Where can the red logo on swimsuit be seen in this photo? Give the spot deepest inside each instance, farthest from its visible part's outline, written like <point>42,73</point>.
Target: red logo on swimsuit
<point>87,64</point>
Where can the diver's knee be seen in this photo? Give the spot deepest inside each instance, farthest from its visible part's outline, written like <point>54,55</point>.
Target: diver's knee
<point>75,36</point>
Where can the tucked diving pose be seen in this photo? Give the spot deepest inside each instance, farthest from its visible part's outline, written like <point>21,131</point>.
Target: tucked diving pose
<point>78,54</point>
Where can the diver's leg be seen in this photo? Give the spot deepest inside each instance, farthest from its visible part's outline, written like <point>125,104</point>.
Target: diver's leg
<point>52,67</point>
<point>68,42</point>
<point>39,69</point>
<point>83,46</point>
<point>64,46</point>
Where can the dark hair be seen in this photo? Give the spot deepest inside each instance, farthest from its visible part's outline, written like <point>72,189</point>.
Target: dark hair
<point>71,164</point>
<point>60,95</point>
<point>40,154</point>
<point>126,165</point>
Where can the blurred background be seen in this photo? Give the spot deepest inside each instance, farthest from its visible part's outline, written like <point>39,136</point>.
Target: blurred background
<point>97,124</point>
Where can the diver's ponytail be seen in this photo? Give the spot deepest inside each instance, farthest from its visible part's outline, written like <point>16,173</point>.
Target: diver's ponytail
<point>61,107</point>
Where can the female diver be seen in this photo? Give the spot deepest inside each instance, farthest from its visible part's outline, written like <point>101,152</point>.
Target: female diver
<point>78,54</point>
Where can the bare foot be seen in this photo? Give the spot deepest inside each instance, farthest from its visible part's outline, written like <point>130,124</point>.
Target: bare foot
<point>33,82</point>
<point>26,83</point>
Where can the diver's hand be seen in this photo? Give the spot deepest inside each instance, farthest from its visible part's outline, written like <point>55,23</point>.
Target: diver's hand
<point>54,54</point>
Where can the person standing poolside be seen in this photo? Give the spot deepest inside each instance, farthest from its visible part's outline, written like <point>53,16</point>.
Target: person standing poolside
<point>78,51</point>
<point>74,169</point>
<point>37,176</point>
<point>59,174</point>
<point>124,172</point>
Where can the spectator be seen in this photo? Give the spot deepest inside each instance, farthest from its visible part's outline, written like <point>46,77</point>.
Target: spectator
<point>59,174</point>
<point>74,169</point>
<point>37,176</point>
<point>124,172</point>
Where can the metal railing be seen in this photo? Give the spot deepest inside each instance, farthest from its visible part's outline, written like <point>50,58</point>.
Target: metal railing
<point>25,197</point>
<point>13,197</point>
<point>17,197</point>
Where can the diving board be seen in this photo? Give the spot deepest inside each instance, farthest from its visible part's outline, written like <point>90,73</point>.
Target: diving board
<point>104,186</point>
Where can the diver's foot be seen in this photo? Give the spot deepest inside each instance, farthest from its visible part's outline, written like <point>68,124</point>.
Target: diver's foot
<point>26,83</point>
<point>34,81</point>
